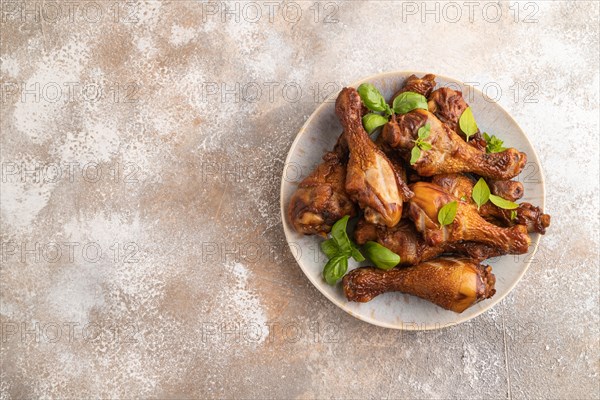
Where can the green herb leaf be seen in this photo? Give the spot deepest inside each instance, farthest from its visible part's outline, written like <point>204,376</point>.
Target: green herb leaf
<point>356,254</point>
<point>481,192</point>
<point>447,213</point>
<point>338,233</point>
<point>513,215</point>
<point>335,269</point>
<point>330,248</point>
<point>502,203</point>
<point>373,121</point>
<point>382,257</point>
<point>424,131</point>
<point>420,145</point>
<point>409,101</point>
<point>463,198</point>
<point>388,111</point>
<point>338,249</point>
<point>424,146</point>
<point>494,144</point>
<point>371,98</point>
<point>467,123</point>
<point>415,153</point>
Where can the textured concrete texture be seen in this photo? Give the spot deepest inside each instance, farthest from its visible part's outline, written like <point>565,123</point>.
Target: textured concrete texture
<point>142,147</point>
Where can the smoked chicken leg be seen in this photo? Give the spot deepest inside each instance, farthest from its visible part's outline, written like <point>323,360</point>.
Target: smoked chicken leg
<point>452,283</point>
<point>467,225</point>
<point>448,105</point>
<point>449,152</point>
<point>404,240</point>
<point>321,198</point>
<point>370,179</point>
<point>423,86</point>
<point>461,186</point>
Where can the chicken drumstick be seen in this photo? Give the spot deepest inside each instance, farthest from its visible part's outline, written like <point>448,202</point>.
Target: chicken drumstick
<point>449,152</point>
<point>452,283</point>
<point>370,180</point>
<point>467,224</point>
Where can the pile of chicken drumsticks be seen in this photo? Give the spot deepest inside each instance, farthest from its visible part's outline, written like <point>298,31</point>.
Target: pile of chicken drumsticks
<point>398,201</point>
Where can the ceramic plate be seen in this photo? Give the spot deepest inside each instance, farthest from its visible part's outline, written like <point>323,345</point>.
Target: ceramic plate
<point>398,310</point>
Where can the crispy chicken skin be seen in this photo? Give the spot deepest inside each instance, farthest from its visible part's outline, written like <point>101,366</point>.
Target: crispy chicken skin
<point>424,86</point>
<point>458,185</point>
<point>452,283</point>
<point>529,215</point>
<point>467,225</point>
<point>449,153</point>
<point>321,198</point>
<point>396,161</point>
<point>371,180</point>
<point>404,240</point>
<point>461,186</point>
<point>448,105</point>
<point>509,190</point>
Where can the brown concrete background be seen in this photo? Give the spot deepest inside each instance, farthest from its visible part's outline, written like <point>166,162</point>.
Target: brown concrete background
<point>142,149</point>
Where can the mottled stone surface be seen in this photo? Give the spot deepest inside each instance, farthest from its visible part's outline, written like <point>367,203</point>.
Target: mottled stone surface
<point>142,146</point>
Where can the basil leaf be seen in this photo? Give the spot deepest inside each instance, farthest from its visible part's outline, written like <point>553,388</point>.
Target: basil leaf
<point>338,249</point>
<point>357,255</point>
<point>424,131</point>
<point>447,213</point>
<point>388,110</point>
<point>425,146</point>
<point>502,203</point>
<point>408,101</point>
<point>371,97</point>
<point>330,248</point>
<point>415,153</point>
<point>335,269</point>
<point>513,215</point>
<point>373,121</point>
<point>494,144</point>
<point>338,233</point>
<point>467,123</point>
<point>382,257</point>
<point>481,192</point>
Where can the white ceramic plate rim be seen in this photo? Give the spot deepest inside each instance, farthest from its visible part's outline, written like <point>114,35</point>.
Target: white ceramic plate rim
<point>460,318</point>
